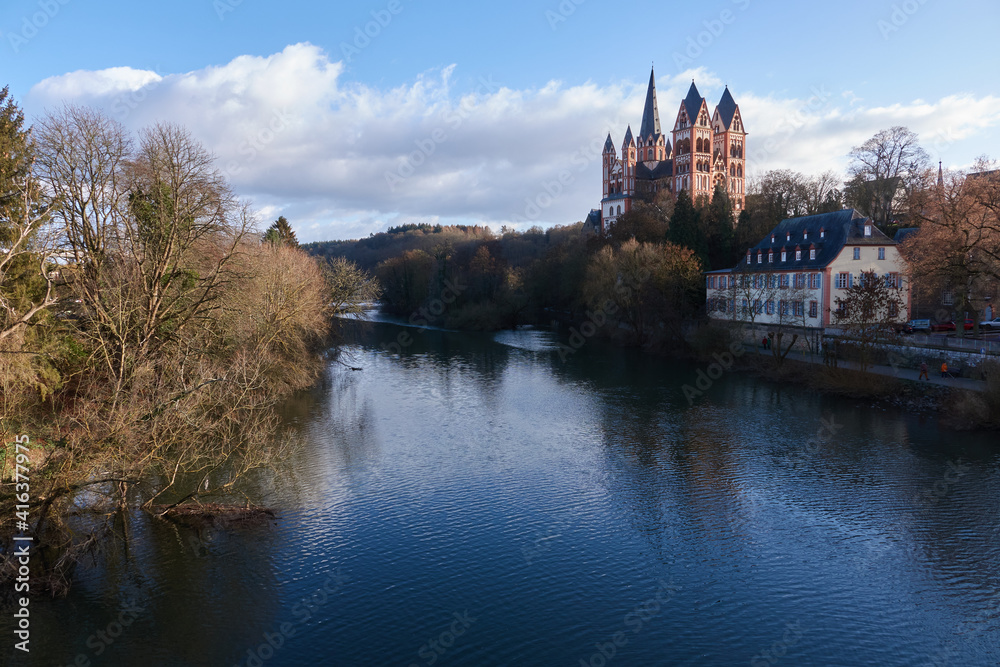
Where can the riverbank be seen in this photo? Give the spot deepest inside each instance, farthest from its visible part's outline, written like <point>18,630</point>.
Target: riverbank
<point>960,403</point>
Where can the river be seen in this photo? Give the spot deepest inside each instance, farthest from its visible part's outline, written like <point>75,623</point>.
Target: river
<point>485,499</point>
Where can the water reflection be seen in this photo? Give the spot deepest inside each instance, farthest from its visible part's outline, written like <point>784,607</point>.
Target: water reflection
<point>547,495</point>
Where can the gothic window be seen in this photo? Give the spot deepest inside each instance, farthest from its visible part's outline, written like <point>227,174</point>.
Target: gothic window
<point>739,172</point>
<point>619,210</point>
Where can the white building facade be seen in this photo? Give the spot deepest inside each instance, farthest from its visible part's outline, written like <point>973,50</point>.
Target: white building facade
<point>794,275</point>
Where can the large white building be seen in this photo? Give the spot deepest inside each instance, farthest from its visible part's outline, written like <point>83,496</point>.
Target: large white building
<point>796,272</point>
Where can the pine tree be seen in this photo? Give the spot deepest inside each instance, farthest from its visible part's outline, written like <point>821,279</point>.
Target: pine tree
<point>281,233</point>
<point>718,219</point>
<point>684,226</point>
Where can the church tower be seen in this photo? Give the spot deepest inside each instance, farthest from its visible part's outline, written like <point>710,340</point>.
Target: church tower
<point>729,163</point>
<point>693,146</point>
<point>706,151</point>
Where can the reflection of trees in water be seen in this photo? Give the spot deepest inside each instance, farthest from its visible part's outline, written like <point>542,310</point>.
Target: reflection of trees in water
<point>164,581</point>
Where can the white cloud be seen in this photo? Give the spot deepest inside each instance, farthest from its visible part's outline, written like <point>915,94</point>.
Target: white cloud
<point>342,159</point>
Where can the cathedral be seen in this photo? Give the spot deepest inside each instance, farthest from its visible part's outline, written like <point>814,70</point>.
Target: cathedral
<point>704,150</point>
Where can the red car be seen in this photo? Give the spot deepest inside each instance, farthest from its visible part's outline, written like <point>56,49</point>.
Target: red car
<point>950,326</point>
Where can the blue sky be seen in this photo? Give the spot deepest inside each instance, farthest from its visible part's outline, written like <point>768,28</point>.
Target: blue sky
<point>487,112</point>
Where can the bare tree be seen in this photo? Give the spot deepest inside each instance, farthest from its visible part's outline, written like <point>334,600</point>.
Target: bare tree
<point>869,311</point>
<point>882,170</point>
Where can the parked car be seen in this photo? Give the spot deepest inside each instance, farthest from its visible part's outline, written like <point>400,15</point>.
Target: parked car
<point>991,324</point>
<point>903,328</point>
<point>943,326</point>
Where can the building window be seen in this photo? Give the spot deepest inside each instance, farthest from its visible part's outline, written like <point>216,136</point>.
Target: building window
<point>748,256</point>
<point>772,281</point>
<point>822,233</point>
<point>816,280</point>
<point>760,257</point>
<point>805,235</point>
<point>812,253</point>
<point>745,307</point>
<point>881,253</point>
<point>770,256</point>
<point>868,230</point>
<point>769,307</point>
<point>843,280</point>
<point>788,236</point>
<point>798,255</point>
<point>813,309</point>
<point>893,309</point>
<point>722,282</point>
<point>784,280</point>
<point>784,255</point>
<point>758,306</point>
<point>857,253</point>
<point>783,307</point>
<point>892,279</point>
<point>619,210</point>
<point>947,298</point>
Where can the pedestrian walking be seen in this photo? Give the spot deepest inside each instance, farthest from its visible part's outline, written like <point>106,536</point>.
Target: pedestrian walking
<point>923,372</point>
<point>944,369</point>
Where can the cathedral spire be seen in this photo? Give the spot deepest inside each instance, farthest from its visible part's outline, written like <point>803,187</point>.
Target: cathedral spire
<point>940,175</point>
<point>650,115</point>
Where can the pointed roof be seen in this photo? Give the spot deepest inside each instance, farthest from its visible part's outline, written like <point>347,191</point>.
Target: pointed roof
<point>650,114</point>
<point>940,175</point>
<point>628,137</point>
<point>693,102</point>
<point>727,108</point>
<point>609,146</point>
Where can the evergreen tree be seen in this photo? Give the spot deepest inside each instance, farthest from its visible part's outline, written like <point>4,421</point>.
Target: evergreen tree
<point>718,225</point>
<point>685,226</point>
<point>281,233</point>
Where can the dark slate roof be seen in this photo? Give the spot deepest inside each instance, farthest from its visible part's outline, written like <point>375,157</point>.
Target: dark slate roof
<point>594,218</point>
<point>650,114</point>
<point>693,103</point>
<point>727,108</point>
<point>617,195</point>
<point>669,148</point>
<point>628,138</point>
<point>662,169</point>
<point>901,234</point>
<point>609,146</point>
<point>842,228</point>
